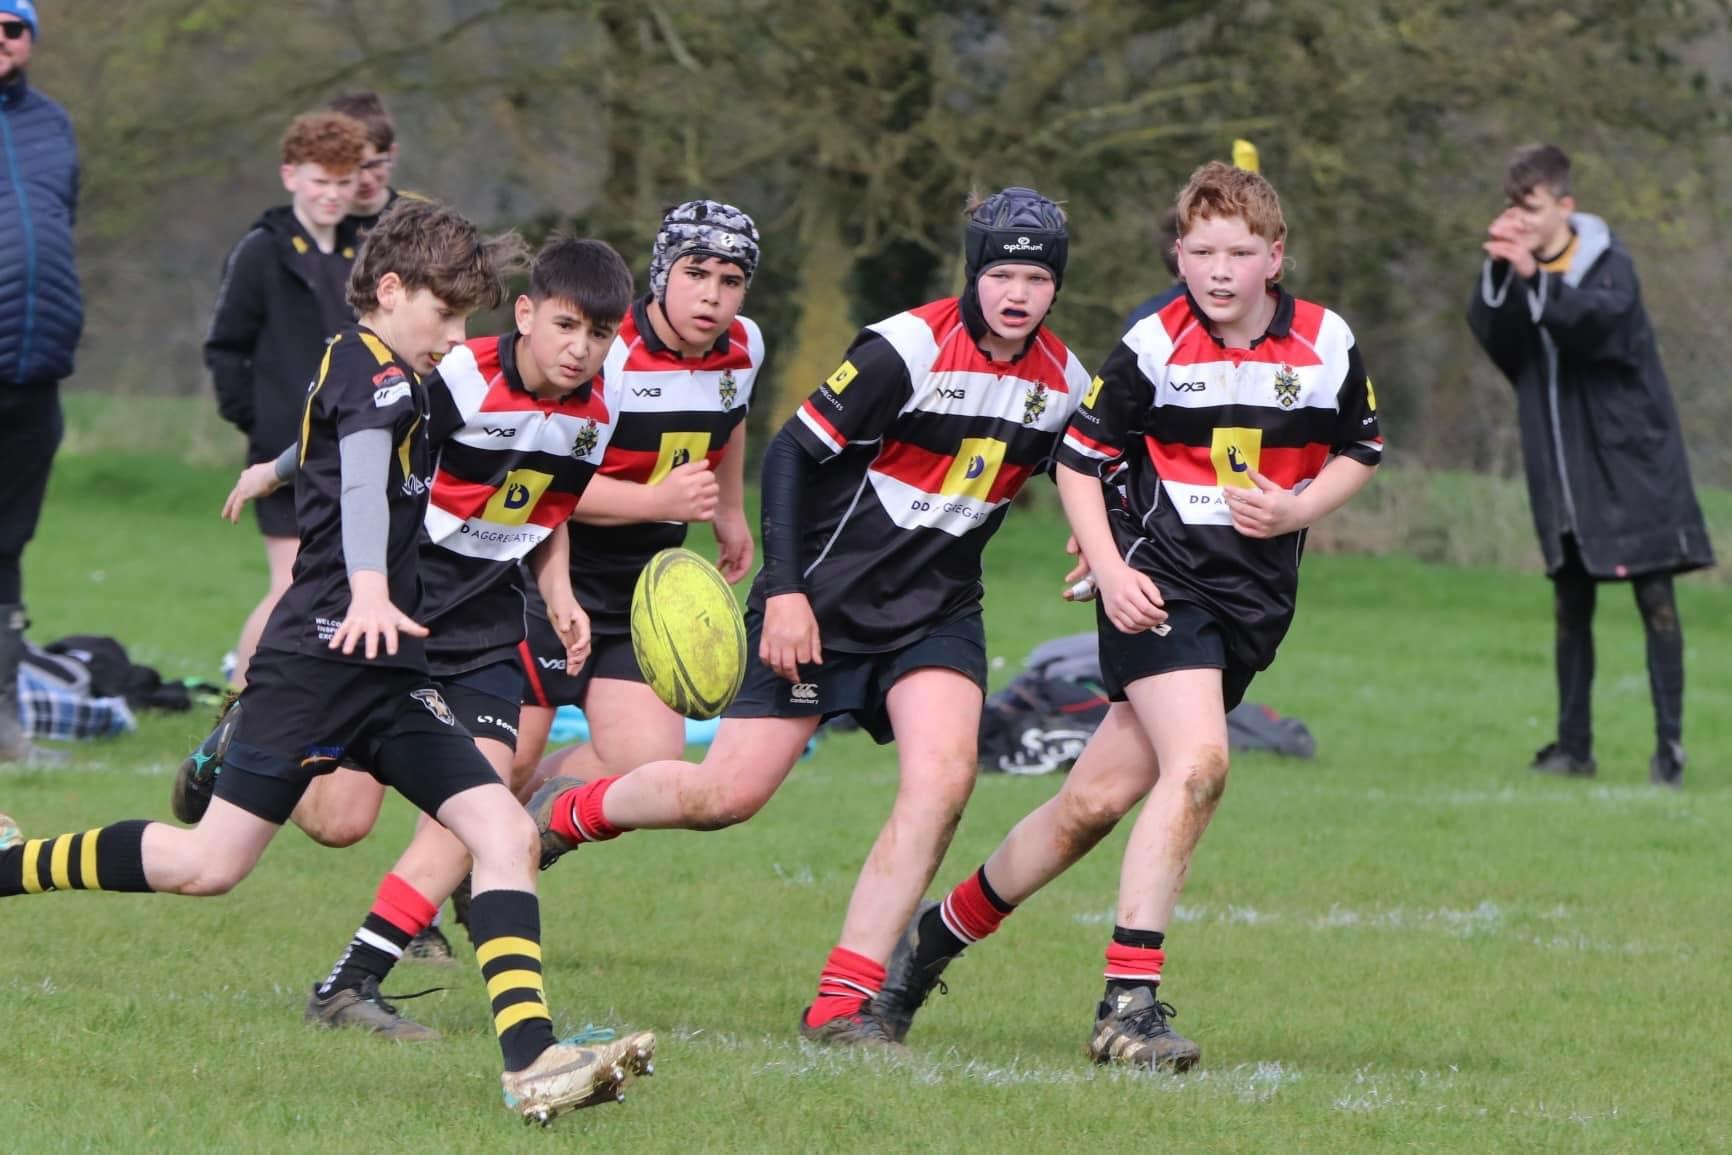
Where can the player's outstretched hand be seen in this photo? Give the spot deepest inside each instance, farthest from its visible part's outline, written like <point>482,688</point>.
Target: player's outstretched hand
<point>1132,600</point>
<point>1266,511</point>
<point>255,481</point>
<point>733,545</point>
<point>372,617</point>
<point>572,626</point>
<point>691,492</point>
<point>790,635</point>
<point>1079,583</point>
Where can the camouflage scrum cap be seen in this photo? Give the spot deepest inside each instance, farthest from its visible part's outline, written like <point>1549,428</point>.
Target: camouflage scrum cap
<point>704,228</point>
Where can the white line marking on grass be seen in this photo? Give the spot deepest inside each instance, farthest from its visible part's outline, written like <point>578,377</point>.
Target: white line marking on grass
<point>1487,920</point>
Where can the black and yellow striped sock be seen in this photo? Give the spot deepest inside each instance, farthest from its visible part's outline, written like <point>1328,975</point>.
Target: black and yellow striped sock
<point>506,928</point>
<point>107,858</point>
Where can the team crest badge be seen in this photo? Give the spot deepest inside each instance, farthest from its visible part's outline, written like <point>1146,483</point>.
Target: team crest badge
<point>727,389</point>
<point>429,697</point>
<point>1286,386</point>
<point>1033,403</point>
<point>586,439</point>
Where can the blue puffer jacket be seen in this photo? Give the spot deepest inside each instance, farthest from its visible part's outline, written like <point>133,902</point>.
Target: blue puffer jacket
<point>41,307</point>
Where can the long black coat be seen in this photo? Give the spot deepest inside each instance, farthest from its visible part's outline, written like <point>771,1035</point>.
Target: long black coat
<point>1603,451</point>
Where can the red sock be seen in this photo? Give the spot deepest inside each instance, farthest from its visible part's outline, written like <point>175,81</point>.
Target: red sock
<point>1134,964</point>
<point>847,982</point>
<point>403,906</point>
<point>970,913</point>
<point>577,813</point>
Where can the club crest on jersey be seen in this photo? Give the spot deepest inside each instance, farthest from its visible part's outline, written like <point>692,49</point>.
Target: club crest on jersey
<point>586,439</point>
<point>429,697</point>
<point>1286,386</point>
<point>1033,403</point>
<point>727,389</point>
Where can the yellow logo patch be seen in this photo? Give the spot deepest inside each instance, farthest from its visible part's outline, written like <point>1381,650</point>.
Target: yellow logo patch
<point>678,449</point>
<point>1236,451</point>
<point>1094,391</point>
<point>839,380</point>
<point>976,467</point>
<point>1370,395</point>
<point>516,499</point>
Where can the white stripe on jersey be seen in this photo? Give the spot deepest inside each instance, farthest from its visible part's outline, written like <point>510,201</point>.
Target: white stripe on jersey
<point>1198,504</point>
<point>966,394</point>
<point>678,390</point>
<point>817,430</point>
<point>478,537</point>
<point>913,508</point>
<point>912,339</point>
<point>1076,446</point>
<point>1216,382</point>
<point>463,379</point>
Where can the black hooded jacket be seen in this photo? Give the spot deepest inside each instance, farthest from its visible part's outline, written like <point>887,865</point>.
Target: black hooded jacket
<point>273,316</point>
<point>1601,442</point>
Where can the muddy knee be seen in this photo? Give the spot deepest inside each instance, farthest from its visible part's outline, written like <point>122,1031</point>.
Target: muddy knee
<point>1206,780</point>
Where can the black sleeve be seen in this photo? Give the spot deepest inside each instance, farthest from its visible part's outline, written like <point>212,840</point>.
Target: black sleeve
<point>1497,315</point>
<point>1103,424</point>
<point>857,402</point>
<point>235,323</point>
<point>787,467</point>
<point>1356,429</point>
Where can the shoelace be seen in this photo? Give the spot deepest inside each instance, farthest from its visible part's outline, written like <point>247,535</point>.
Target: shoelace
<point>1151,1020</point>
<point>371,993</point>
<point>591,1034</point>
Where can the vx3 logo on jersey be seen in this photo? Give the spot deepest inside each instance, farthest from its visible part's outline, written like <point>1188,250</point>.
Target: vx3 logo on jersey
<point>646,391</point>
<point>952,394</point>
<point>498,431</point>
<point>804,692</point>
<point>1189,386</point>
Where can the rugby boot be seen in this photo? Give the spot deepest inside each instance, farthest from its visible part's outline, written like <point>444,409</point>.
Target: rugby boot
<point>366,1008</point>
<point>554,845</point>
<point>569,1077</point>
<point>863,1028</point>
<point>907,985</point>
<point>431,946</point>
<point>195,781</point>
<point>1132,1028</point>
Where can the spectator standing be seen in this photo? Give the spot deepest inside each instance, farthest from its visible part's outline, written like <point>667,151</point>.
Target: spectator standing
<point>41,319</point>
<point>1559,311</point>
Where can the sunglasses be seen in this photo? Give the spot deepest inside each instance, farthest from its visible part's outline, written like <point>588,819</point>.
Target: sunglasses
<point>13,29</point>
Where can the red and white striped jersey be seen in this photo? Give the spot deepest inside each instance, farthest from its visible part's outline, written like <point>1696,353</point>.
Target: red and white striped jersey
<point>1186,416</point>
<point>927,440</point>
<point>511,467</point>
<point>668,410</point>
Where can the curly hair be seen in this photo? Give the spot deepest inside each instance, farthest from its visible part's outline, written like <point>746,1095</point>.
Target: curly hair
<point>434,247</point>
<point>1219,190</point>
<point>330,140</point>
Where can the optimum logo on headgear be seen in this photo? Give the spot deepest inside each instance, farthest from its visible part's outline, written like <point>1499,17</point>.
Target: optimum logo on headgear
<point>702,228</point>
<point>1016,227</point>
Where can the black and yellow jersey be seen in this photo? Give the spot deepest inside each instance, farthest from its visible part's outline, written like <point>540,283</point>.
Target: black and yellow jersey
<point>361,384</point>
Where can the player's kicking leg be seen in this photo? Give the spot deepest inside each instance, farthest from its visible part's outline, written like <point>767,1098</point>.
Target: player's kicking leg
<point>747,761</point>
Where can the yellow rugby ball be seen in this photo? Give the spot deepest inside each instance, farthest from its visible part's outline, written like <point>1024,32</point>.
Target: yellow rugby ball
<point>687,633</point>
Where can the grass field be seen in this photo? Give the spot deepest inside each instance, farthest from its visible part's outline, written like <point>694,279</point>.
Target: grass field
<point>1408,944</point>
